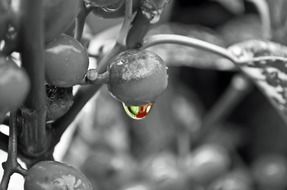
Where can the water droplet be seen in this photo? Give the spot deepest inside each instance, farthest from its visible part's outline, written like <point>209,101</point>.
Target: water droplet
<point>138,112</point>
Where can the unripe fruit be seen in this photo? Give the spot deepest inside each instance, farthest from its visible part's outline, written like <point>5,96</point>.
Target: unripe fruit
<point>50,175</point>
<point>58,100</point>
<point>137,77</point>
<point>66,61</point>
<point>14,85</point>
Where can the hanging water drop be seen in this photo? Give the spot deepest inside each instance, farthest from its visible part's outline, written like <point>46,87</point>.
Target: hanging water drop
<point>138,112</point>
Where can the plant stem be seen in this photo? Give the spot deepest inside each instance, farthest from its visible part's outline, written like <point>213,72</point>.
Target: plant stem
<point>126,23</point>
<point>233,95</point>
<point>32,54</point>
<point>263,9</point>
<point>140,26</point>
<point>11,165</point>
<point>80,21</point>
<point>187,41</point>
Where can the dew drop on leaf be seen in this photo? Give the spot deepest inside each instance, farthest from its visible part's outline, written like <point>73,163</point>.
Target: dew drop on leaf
<point>138,112</point>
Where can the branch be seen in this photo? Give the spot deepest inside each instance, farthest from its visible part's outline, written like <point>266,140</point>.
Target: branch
<point>32,54</point>
<point>126,23</point>
<point>11,165</point>
<point>187,41</point>
<point>80,21</point>
<point>140,26</point>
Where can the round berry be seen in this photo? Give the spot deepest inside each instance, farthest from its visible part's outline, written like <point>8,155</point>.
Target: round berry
<point>14,85</point>
<point>66,61</point>
<point>58,100</point>
<point>137,77</point>
<point>51,175</point>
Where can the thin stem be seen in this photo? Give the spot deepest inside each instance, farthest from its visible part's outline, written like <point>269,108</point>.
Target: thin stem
<point>80,21</point>
<point>263,9</point>
<point>140,26</point>
<point>126,23</point>
<point>32,54</point>
<point>11,165</point>
<point>187,41</point>
<point>234,94</point>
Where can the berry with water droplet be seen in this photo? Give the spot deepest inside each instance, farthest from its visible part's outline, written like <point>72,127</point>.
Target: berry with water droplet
<point>137,77</point>
<point>138,112</point>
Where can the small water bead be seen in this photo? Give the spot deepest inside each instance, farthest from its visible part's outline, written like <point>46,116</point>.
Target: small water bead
<point>138,112</point>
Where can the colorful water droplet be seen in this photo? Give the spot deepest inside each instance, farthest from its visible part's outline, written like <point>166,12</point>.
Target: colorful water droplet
<point>138,112</point>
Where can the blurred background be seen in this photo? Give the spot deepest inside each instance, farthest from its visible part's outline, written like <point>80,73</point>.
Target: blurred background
<point>174,148</point>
